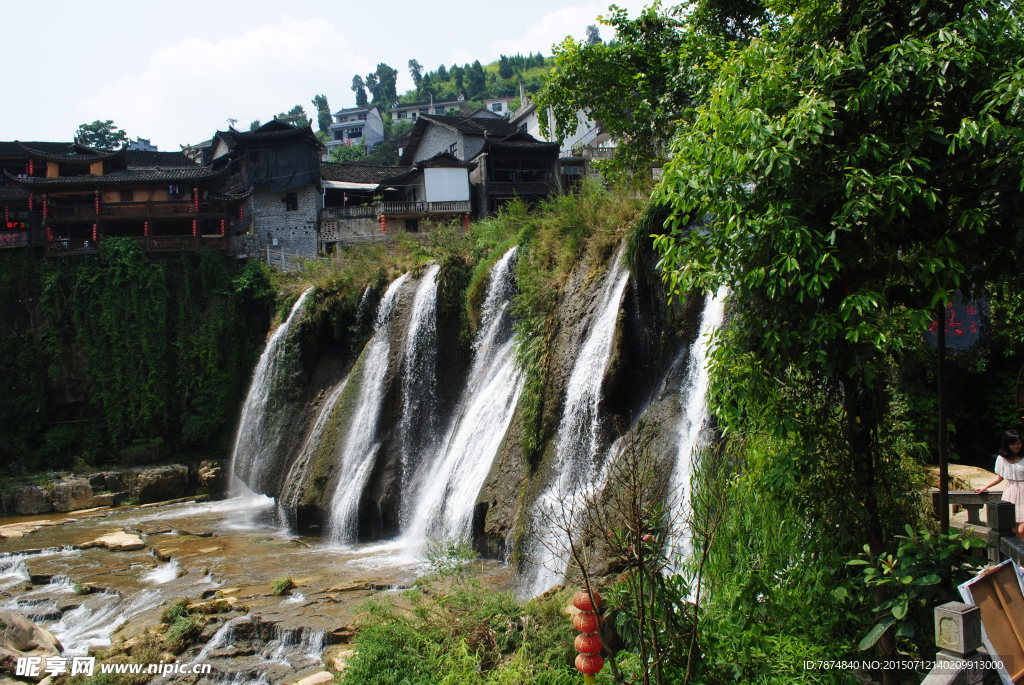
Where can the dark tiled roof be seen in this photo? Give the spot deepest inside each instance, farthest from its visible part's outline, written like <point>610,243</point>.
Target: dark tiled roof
<point>427,103</point>
<point>14,148</point>
<point>163,160</point>
<point>474,127</point>
<point>444,159</point>
<point>523,145</point>
<point>72,152</point>
<point>126,177</point>
<point>10,192</point>
<point>352,110</point>
<point>360,173</point>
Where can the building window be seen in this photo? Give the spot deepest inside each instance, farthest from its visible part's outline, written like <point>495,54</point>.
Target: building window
<point>401,115</point>
<point>339,135</point>
<point>495,106</point>
<point>291,201</point>
<point>453,149</point>
<point>356,132</point>
<point>362,117</point>
<point>127,196</point>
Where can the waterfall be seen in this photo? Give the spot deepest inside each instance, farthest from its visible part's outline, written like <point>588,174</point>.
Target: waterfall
<point>692,434</point>
<point>450,479</point>
<point>576,466</point>
<point>360,445</point>
<point>419,374</point>
<point>255,443</point>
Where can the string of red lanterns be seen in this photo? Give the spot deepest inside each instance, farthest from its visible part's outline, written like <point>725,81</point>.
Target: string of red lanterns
<point>589,661</point>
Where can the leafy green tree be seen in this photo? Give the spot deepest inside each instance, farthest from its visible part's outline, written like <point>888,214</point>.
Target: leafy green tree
<point>323,113</point>
<point>505,69</point>
<point>296,116</point>
<point>359,88</point>
<point>456,73</point>
<point>101,135</point>
<point>476,80</point>
<point>593,35</point>
<point>849,173</point>
<point>383,84</point>
<point>416,71</point>
<point>254,124</point>
<point>442,73</point>
<point>639,87</point>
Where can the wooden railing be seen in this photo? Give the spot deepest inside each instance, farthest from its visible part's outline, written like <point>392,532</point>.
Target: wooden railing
<point>997,527</point>
<point>394,208</point>
<point>138,210</point>
<point>519,188</point>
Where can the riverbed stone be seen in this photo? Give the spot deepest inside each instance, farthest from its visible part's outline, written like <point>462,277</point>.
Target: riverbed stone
<point>20,637</point>
<point>316,679</point>
<point>210,475</point>
<point>31,500</point>
<point>72,494</point>
<point>120,541</point>
<point>163,483</point>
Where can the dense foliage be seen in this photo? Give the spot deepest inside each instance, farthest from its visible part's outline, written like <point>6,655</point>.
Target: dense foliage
<point>137,355</point>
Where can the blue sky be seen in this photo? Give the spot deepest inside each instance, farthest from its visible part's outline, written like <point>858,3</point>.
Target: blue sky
<point>175,72</point>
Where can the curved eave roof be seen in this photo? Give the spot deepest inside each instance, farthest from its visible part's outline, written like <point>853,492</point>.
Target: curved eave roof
<point>74,153</point>
<point>128,177</point>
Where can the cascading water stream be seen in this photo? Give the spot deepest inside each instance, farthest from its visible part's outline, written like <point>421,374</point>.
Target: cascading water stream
<point>692,429</point>
<point>254,441</point>
<point>450,479</point>
<point>419,374</point>
<point>360,446</point>
<point>576,464</point>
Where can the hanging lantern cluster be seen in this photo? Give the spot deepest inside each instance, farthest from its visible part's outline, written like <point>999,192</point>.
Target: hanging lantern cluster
<point>95,233</point>
<point>195,228</point>
<point>223,226</point>
<point>145,228</point>
<point>383,224</point>
<point>46,203</point>
<point>96,202</point>
<point>195,200</point>
<point>589,661</point>
<point>241,212</point>
<point>31,200</point>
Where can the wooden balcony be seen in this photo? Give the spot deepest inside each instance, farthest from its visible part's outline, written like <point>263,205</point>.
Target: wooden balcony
<point>395,209</point>
<point>137,210</point>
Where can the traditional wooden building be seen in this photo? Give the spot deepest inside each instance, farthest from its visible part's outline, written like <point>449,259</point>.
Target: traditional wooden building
<point>277,169</point>
<point>69,197</point>
<point>508,162</point>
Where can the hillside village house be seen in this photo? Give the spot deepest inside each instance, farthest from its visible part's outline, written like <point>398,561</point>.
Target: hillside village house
<point>509,163</point>
<point>66,198</point>
<point>578,151</point>
<point>277,169</point>
<point>267,190</point>
<point>502,105</point>
<point>356,126</point>
<point>410,111</point>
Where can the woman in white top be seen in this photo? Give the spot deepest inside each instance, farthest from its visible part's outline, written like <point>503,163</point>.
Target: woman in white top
<point>1010,467</point>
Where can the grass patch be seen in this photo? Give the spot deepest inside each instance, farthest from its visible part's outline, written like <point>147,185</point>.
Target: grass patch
<point>282,586</point>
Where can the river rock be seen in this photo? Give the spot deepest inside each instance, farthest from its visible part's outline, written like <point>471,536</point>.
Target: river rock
<point>20,637</point>
<point>160,484</point>
<point>31,500</point>
<point>72,494</point>
<point>316,679</point>
<point>210,475</point>
<point>120,541</point>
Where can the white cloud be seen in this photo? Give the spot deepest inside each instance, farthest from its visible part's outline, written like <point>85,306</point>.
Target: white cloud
<point>186,91</point>
<point>553,27</point>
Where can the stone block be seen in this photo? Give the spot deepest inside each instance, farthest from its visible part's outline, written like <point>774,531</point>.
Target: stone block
<point>957,628</point>
<point>72,494</point>
<point>162,484</point>
<point>31,500</point>
<point>1000,515</point>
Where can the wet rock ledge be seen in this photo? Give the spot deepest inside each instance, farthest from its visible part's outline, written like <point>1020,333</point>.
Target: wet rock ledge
<point>115,487</point>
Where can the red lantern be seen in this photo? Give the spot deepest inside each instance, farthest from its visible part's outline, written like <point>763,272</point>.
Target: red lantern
<point>145,228</point>
<point>7,215</point>
<point>31,167</point>
<point>586,622</point>
<point>31,198</point>
<point>195,228</point>
<point>222,226</point>
<point>581,600</point>
<point>588,644</point>
<point>465,221</point>
<point>383,224</point>
<point>96,201</point>
<point>589,664</point>
<point>241,210</point>
<point>49,234</point>
<point>46,204</point>
<point>95,232</point>
<point>195,199</point>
